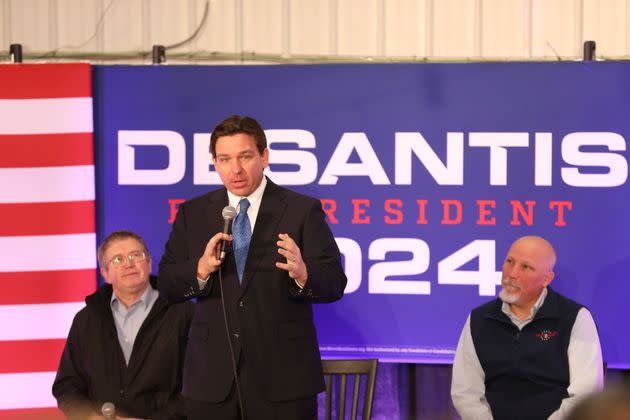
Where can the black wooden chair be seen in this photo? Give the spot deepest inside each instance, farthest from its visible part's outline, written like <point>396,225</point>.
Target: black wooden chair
<point>342,369</point>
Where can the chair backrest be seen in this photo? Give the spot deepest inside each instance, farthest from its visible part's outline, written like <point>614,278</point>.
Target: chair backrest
<point>342,369</point>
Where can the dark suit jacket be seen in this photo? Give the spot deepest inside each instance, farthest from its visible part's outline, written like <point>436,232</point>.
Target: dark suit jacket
<point>270,318</point>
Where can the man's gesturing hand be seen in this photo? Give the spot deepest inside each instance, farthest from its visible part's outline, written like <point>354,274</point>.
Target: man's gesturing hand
<point>295,264</point>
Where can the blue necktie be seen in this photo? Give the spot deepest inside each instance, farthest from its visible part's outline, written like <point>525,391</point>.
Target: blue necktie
<point>242,234</point>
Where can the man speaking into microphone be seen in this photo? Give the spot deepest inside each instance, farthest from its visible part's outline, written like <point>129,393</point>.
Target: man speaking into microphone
<point>252,351</point>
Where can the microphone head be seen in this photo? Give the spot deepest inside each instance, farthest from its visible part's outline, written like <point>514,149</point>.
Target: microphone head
<point>228,212</point>
<point>108,410</point>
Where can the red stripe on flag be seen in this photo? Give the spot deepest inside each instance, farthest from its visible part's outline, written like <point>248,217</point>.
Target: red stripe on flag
<point>52,413</point>
<point>30,355</point>
<point>29,81</point>
<point>63,218</point>
<point>29,151</point>
<point>46,287</point>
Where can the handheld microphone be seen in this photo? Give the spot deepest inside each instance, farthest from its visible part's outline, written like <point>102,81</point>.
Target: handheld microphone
<point>108,410</point>
<point>228,213</point>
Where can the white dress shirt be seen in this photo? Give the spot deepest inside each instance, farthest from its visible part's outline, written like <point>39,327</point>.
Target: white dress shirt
<point>585,366</point>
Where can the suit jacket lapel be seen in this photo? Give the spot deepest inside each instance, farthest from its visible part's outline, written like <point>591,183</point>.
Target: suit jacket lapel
<point>213,224</point>
<point>265,235</point>
<point>216,202</point>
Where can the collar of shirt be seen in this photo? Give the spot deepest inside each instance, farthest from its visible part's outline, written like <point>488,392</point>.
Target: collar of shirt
<point>146,300</point>
<point>505,307</point>
<point>129,320</point>
<point>254,198</point>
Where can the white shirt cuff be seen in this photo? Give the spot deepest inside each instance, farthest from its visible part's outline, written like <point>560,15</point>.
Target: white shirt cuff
<point>202,283</point>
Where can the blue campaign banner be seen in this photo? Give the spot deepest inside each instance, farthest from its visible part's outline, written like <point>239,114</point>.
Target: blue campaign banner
<point>427,173</point>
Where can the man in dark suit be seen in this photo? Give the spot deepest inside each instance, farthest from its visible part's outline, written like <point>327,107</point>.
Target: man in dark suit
<point>281,258</point>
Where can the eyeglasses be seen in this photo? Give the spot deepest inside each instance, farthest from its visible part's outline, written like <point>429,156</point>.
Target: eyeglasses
<point>135,256</point>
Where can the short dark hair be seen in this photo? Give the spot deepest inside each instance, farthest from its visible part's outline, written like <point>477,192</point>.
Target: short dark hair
<point>116,236</point>
<point>236,124</point>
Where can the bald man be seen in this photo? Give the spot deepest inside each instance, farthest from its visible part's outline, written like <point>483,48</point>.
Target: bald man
<point>531,353</point>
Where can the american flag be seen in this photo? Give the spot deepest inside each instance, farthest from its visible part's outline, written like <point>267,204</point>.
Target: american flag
<point>47,226</point>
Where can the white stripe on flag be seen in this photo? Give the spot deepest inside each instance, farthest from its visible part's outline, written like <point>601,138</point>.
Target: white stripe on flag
<point>37,322</point>
<point>27,390</point>
<point>47,185</point>
<point>47,253</point>
<point>44,116</point>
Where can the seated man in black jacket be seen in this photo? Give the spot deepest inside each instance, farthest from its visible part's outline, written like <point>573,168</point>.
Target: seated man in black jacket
<point>126,347</point>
